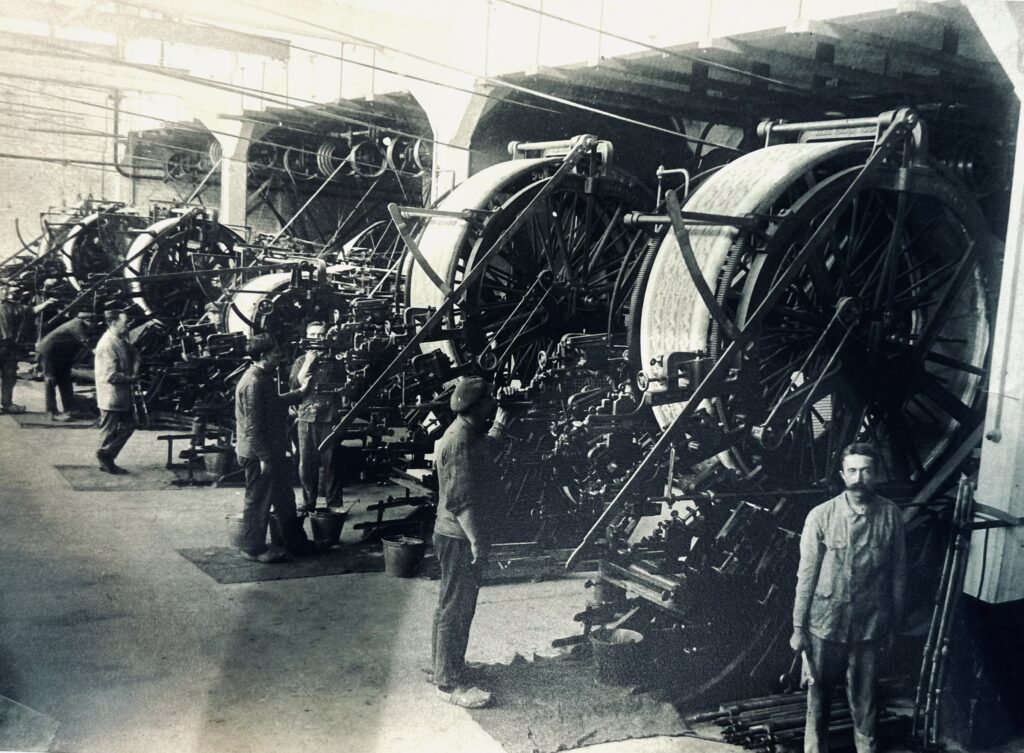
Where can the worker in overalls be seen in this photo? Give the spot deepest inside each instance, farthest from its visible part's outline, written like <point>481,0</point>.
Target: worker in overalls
<point>317,414</point>
<point>849,597</point>
<point>261,428</point>
<point>465,458</point>
<point>57,353</point>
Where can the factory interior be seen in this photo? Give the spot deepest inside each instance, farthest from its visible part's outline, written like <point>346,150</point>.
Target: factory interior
<point>511,376</point>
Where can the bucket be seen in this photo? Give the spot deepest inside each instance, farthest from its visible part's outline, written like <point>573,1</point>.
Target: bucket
<point>402,554</point>
<point>327,525</point>
<point>618,655</point>
<point>234,522</point>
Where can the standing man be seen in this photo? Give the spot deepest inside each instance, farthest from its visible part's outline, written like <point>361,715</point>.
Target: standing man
<point>117,366</point>
<point>12,322</point>
<point>261,428</point>
<point>465,459</point>
<point>317,414</point>
<point>849,597</point>
<point>57,353</point>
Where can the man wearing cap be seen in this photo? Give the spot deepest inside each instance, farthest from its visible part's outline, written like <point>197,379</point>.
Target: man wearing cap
<point>13,316</point>
<point>465,459</point>
<point>117,364</point>
<point>57,353</point>
<point>316,415</point>
<point>261,432</point>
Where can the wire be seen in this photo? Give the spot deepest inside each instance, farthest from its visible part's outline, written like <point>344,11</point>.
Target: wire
<point>175,147</point>
<point>662,50</point>
<point>279,99</point>
<point>496,81</point>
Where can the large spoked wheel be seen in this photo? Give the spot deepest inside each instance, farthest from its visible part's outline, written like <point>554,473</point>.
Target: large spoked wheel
<point>181,244</point>
<point>568,268</point>
<point>883,335</point>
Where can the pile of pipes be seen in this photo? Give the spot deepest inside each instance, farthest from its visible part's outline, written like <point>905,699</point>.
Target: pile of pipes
<point>774,723</point>
<point>935,658</point>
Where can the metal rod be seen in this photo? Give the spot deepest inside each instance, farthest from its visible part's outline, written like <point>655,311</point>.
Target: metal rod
<point>584,143</point>
<point>309,201</point>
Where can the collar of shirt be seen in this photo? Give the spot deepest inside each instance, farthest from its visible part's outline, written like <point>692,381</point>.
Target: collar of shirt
<point>853,512</point>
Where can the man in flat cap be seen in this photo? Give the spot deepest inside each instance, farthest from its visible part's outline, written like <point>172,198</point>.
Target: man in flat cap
<point>465,458</point>
<point>117,365</point>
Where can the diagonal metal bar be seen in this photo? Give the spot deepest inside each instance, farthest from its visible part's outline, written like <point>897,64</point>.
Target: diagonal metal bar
<point>693,267</point>
<point>414,249</point>
<point>893,133</point>
<point>583,144</point>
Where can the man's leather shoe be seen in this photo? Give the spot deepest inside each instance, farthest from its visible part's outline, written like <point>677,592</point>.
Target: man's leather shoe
<point>62,418</point>
<point>267,557</point>
<point>14,408</point>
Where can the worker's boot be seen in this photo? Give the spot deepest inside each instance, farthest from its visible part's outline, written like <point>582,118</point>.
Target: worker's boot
<point>14,408</point>
<point>62,418</point>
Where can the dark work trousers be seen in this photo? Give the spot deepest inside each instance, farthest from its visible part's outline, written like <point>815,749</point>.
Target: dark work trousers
<point>266,492</point>
<point>116,428</point>
<point>8,371</point>
<point>311,460</point>
<point>456,605</point>
<point>57,373</point>
<point>832,662</point>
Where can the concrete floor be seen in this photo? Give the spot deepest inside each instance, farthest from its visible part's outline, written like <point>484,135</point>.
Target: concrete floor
<point>129,647</point>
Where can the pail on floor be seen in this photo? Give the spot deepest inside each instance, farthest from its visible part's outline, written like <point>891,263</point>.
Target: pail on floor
<point>234,522</point>
<point>618,655</point>
<point>327,525</point>
<point>402,554</point>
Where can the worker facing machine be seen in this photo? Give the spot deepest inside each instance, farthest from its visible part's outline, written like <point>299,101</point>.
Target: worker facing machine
<point>316,415</point>
<point>849,597</point>
<point>465,459</point>
<point>261,416</point>
<point>57,353</point>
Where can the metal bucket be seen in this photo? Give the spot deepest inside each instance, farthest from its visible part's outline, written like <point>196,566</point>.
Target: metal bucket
<point>327,525</point>
<point>618,655</point>
<point>234,524</point>
<point>402,555</point>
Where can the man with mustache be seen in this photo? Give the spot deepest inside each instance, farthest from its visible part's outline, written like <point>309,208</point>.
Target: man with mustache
<point>849,597</point>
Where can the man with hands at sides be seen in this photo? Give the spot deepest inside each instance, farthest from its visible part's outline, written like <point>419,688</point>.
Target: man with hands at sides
<point>849,597</point>
<point>261,429</point>
<point>468,493</point>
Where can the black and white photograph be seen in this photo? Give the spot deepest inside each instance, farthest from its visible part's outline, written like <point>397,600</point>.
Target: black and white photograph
<point>511,376</point>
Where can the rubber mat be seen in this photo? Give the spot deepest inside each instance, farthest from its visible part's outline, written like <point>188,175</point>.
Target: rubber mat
<point>555,703</point>
<point>89,478</point>
<point>42,421</point>
<point>24,729</point>
<point>225,565</point>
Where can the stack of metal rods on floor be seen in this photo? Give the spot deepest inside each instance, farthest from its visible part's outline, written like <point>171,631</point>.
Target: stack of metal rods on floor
<point>934,661</point>
<point>776,722</point>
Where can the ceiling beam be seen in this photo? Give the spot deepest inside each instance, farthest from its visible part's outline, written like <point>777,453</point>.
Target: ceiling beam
<point>127,26</point>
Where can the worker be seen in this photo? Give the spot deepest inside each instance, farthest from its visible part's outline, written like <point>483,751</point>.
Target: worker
<point>57,353</point>
<point>13,317</point>
<point>261,427</point>
<point>117,365</point>
<point>849,597</point>
<point>316,415</point>
<point>465,459</point>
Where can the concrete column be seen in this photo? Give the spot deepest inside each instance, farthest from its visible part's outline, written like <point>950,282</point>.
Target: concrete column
<point>453,115</point>
<point>234,137</point>
<point>995,568</point>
